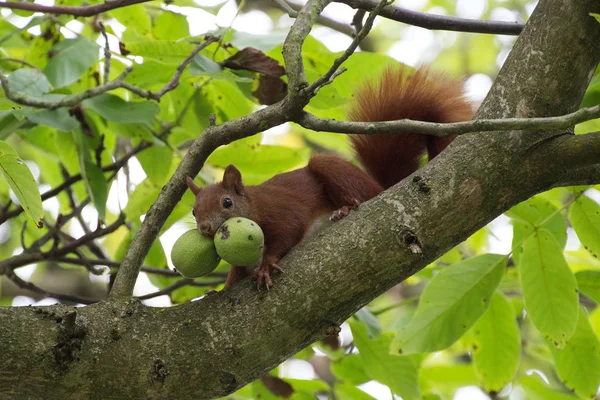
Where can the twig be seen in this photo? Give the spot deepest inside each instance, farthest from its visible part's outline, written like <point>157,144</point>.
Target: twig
<point>333,71</point>
<point>73,100</point>
<point>562,122</point>
<point>438,22</point>
<point>357,20</point>
<point>179,284</point>
<point>107,54</point>
<point>10,274</point>
<point>16,60</point>
<point>83,11</point>
<point>286,7</point>
<point>114,167</point>
<point>117,264</point>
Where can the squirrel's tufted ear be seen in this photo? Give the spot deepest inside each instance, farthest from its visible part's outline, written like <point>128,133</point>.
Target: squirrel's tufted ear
<point>232,180</point>
<point>193,187</point>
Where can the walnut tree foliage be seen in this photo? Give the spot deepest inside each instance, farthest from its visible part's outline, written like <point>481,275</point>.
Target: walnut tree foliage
<point>471,318</point>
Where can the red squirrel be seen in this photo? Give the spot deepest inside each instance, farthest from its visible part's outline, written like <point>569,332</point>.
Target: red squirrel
<point>286,205</point>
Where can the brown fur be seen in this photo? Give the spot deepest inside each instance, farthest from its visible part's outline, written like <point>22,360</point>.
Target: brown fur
<point>287,205</point>
<point>398,94</point>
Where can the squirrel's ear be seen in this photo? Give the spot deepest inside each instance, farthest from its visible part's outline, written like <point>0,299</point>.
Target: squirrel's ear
<point>193,187</point>
<point>232,179</point>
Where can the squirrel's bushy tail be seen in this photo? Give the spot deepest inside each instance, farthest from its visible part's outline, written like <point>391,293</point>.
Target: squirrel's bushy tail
<point>398,94</point>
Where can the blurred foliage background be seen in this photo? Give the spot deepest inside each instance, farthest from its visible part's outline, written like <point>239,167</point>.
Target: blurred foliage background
<point>482,327</point>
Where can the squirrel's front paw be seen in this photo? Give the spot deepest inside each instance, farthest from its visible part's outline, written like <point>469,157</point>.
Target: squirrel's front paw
<point>262,275</point>
<point>345,210</point>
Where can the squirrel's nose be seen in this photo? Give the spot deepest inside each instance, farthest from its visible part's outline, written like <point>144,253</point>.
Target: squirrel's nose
<point>206,229</point>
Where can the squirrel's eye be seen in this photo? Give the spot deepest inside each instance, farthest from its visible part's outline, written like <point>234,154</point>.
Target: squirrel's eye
<point>193,212</point>
<point>227,202</point>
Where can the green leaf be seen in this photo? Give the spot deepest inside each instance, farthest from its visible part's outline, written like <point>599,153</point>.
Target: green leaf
<point>536,389</point>
<point>21,181</point>
<point>350,368</point>
<point>156,162</point>
<point>549,287</point>
<point>528,215</point>
<point>578,363</point>
<point>74,58</point>
<point>135,17</point>
<point>28,82</point>
<point>451,303</point>
<point>398,372</point>
<point>160,50</point>
<point>585,218</point>
<point>370,321</point>
<point>346,391</point>
<point>141,199</point>
<point>57,119</point>
<point>115,109</point>
<point>258,159</point>
<point>595,15</point>
<point>447,378</point>
<point>496,347</point>
<point>588,282</point>
<point>9,123</point>
<point>94,179</point>
<point>170,26</point>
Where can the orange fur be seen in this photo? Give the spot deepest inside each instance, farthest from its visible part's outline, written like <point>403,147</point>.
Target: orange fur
<point>398,94</point>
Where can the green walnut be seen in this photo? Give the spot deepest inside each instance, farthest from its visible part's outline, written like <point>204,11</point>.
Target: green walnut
<point>240,241</point>
<point>194,255</point>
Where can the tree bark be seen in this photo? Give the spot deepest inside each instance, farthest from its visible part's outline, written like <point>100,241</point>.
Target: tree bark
<point>211,347</point>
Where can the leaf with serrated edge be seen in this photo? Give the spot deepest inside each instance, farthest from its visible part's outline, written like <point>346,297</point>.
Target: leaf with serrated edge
<point>549,287</point>
<point>578,363</point>
<point>451,303</point>
<point>496,347</point>
<point>398,372</point>
<point>585,218</point>
<point>21,181</point>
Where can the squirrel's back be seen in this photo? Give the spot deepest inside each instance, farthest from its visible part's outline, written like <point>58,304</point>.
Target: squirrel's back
<point>397,94</point>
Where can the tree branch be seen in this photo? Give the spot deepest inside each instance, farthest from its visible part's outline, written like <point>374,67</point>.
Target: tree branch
<point>355,259</point>
<point>563,122</point>
<point>333,71</point>
<point>437,22</point>
<point>76,11</point>
<point>75,99</point>
<point>213,137</point>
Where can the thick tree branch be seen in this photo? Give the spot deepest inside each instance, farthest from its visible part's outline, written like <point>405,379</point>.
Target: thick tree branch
<point>437,22</point>
<point>233,337</point>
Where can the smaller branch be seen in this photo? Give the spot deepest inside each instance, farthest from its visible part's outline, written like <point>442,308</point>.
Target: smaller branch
<point>357,20</point>
<point>438,22</point>
<point>117,264</point>
<point>286,7</point>
<point>16,60</point>
<point>10,274</point>
<point>333,71</point>
<point>83,11</point>
<point>179,284</point>
<point>73,100</point>
<point>114,167</point>
<point>558,123</point>
<point>107,54</point>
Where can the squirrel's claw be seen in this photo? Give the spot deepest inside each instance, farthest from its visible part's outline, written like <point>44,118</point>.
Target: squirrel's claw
<point>262,275</point>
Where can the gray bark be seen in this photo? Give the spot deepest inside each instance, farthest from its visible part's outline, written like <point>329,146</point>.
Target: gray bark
<point>214,346</point>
